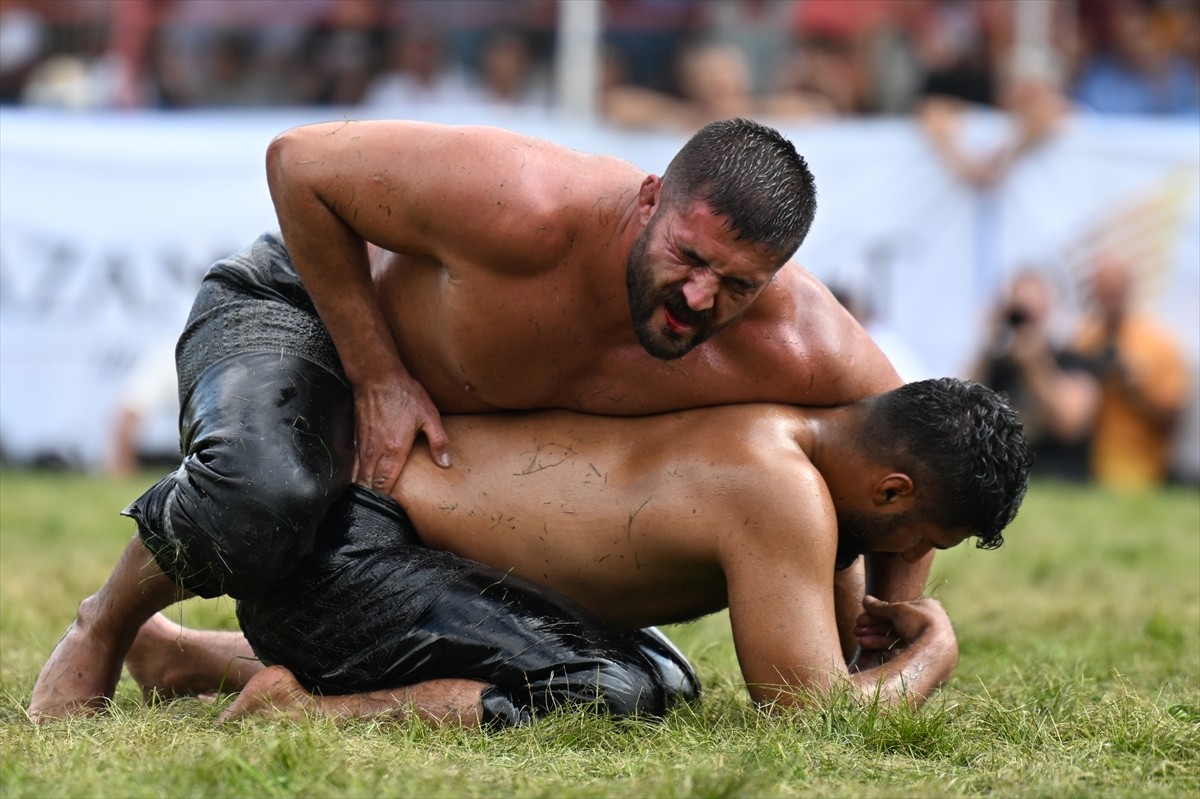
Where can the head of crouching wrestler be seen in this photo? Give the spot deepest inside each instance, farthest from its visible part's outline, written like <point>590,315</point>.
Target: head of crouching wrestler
<point>949,461</point>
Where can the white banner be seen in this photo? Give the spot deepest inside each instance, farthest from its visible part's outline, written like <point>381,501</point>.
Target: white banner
<point>108,221</point>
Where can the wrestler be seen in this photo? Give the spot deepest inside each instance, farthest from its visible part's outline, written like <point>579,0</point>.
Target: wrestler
<point>439,269</point>
<point>648,521</point>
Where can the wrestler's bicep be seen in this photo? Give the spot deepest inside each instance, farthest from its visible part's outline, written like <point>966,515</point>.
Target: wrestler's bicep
<point>409,187</point>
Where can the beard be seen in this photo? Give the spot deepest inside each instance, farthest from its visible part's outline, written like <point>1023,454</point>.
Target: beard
<point>858,533</point>
<point>645,298</point>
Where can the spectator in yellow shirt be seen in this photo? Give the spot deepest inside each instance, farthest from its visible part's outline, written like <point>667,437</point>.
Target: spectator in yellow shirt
<point>1143,383</point>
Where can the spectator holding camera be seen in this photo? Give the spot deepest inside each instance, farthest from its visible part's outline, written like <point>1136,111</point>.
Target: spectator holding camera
<point>1054,390</point>
<point>1143,383</point>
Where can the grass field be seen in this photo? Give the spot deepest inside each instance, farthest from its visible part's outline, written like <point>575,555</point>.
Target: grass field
<point>1079,676</point>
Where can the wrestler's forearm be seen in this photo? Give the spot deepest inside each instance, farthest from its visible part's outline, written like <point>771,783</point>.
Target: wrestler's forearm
<point>909,678</point>
<point>913,676</point>
<point>893,579</point>
<point>315,212</point>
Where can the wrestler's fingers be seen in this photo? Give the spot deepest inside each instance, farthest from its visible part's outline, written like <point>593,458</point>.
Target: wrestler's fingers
<point>877,609</point>
<point>371,473</point>
<point>364,470</point>
<point>870,620</point>
<point>865,619</point>
<point>874,631</point>
<point>387,472</point>
<point>878,641</point>
<point>439,442</point>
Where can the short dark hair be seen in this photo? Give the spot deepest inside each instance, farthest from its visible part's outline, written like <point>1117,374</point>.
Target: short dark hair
<point>751,175</point>
<point>962,439</point>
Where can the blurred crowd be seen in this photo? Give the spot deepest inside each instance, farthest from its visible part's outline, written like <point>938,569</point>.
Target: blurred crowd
<point>1102,398</point>
<point>665,63</point>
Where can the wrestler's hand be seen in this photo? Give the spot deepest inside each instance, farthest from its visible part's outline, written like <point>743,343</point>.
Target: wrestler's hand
<point>886,629</point>
<point>389,414</point>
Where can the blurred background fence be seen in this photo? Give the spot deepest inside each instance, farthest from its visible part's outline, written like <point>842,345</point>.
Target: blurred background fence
<point>955,143</point>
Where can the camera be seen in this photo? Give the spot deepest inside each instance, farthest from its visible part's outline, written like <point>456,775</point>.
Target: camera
<point>1017,317</point>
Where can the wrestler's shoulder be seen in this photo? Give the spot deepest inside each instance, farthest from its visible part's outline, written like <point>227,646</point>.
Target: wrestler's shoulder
<point>755,434</point>
<point>795,289</point>
<point>798,316</point>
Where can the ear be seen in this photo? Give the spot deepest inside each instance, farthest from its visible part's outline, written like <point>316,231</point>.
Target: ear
<point>894,488</point>
<point>648,196</point>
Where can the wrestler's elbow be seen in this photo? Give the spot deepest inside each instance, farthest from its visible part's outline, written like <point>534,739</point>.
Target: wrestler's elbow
<point>293,157</point>
<point>278,157</point>
<point>796,694</point>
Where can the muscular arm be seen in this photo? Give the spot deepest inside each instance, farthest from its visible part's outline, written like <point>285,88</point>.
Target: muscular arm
<point>781,604</point>
<point>404,187</point>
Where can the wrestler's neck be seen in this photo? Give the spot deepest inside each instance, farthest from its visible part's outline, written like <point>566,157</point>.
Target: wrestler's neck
<point>606,272</point>
<point>829,436</point>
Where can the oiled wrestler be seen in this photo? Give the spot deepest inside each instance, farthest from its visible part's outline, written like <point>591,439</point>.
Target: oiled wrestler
<point>660,519</point>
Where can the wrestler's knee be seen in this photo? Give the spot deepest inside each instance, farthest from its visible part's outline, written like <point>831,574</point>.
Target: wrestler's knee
<point>499,710</point>
<point>629,689</point>
<point>617,683</point>
<point>269,445</point>
<point>241,550</point>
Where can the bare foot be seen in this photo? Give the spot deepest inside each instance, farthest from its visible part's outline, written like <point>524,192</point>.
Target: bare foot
<point>81,674</point>
<point>168,660</point>
<point>273,691</point>
<point>158,661</point>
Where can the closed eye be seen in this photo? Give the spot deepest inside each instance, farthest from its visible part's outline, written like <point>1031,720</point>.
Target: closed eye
<point>741,285</point>
<point>693,258</point>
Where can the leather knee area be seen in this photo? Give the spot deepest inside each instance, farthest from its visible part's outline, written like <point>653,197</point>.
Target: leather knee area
<point>269,448</point>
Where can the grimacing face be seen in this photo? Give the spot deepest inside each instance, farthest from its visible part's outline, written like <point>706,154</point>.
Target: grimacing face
<point>683,328</point>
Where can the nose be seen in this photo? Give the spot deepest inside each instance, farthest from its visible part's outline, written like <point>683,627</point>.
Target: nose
<point>916,553</point>
<point>700,290</point>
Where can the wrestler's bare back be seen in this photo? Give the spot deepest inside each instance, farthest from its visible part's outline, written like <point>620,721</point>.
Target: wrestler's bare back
<point>634,518</point>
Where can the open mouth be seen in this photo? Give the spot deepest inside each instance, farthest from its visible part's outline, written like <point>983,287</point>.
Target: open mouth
<point>673,323</point>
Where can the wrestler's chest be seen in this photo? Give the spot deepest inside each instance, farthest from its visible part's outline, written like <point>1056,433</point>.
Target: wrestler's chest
<point>539,343</point>
<point>553,368</point>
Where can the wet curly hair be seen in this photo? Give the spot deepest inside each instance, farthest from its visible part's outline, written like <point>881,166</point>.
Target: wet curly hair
<point>962,440</point>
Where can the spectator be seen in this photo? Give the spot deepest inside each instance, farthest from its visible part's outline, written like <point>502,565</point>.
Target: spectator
<point>716,84</point>
<point>509,76</point>
<point>958,45</point>
<point>416,73</point>
<point>1030,94</point>
<point>833,57</point>
<point>761,29</point>
<point>23,34</point>
<point>235,54</point>
<point>644,35</point>
<point>1053,390</point>
<point>1137,71</point>
<point>1143,383</point>
<point>148,395</point>
<point>345,49</point>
